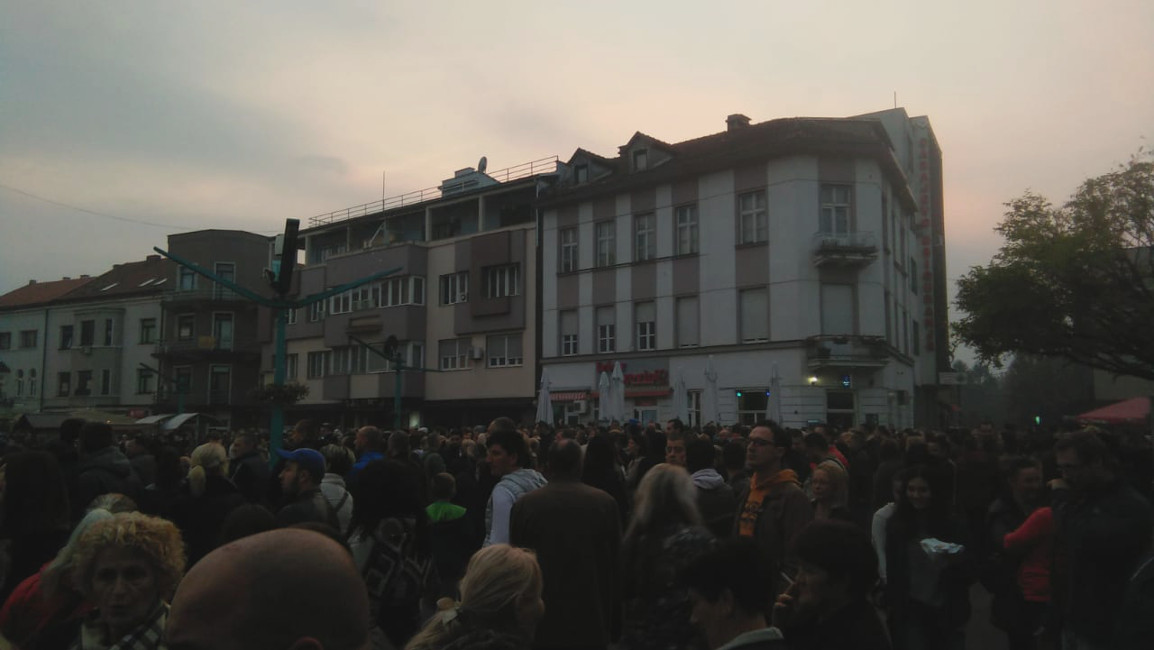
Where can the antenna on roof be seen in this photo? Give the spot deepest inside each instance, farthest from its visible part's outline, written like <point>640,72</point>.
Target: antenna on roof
<point>482,164</point>
<point>895,99</point>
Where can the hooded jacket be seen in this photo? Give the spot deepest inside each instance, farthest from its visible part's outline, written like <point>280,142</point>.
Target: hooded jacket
<point>102,472</point>
<point>511,487</point>
<point>716,500</point>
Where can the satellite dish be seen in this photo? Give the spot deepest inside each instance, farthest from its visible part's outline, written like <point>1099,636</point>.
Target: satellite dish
<point>482,164</point>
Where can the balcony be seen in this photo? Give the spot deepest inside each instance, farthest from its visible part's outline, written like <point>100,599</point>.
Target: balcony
<point>208,348</point>
<point>212,296</point>
<point>851,249</point>
<point>846,351</point>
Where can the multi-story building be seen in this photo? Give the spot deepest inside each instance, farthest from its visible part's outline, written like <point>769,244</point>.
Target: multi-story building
<point>99,334</point>
<point>209,349</point>
<point>23,341</point>
<point>795,242</point>
<point>462,306</point>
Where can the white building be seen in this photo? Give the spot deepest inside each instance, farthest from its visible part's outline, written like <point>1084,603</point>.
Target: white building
<point>794,242</point>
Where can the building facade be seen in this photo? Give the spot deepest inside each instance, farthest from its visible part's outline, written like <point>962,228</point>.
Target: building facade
<point>462,305</point>
<point>794,244</point>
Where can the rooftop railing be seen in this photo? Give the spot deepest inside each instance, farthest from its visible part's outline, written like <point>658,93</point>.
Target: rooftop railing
<point>517,172</point>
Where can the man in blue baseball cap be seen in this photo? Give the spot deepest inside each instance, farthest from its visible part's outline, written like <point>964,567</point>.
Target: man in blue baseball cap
<point>300,480</point>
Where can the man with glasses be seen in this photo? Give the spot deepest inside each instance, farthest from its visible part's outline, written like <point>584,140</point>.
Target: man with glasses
<point>1103,528</point>
<point>773,508</point>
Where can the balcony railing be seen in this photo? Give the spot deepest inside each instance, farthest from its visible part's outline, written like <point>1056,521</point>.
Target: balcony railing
<point>846,350</point>
<point>524,170</point>
<point>851,248</point>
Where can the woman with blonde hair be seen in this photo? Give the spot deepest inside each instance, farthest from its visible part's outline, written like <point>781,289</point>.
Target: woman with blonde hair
<point>830,486</point>
<point>206,498</point>
<point>127,566</point>
<point>665,534</point>
<point>500,604</point>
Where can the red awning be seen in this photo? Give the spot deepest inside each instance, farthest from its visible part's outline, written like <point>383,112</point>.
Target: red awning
<point>568,396</point>
<point>1134,410</point>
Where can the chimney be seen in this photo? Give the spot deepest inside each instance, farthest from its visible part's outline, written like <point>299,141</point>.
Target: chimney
<point>66,278</point>
<point>152,258</point>
<point>736,121</point>
<point>31,282</point>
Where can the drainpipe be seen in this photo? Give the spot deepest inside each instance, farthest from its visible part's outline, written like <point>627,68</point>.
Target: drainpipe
<point>43,364</point>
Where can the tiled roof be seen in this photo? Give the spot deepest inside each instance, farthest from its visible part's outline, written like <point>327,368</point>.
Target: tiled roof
<point>130,278</point>
<point>787,136</point>
<point>37,293</point>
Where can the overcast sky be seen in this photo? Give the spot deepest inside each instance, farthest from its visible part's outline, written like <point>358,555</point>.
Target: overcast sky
<point>213,114</point>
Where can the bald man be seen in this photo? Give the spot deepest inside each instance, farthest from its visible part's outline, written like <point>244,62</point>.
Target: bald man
<point>283,589</point>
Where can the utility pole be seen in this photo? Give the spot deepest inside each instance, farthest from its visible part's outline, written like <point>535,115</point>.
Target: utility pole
<point>280,279</point>
<point>393,354</point>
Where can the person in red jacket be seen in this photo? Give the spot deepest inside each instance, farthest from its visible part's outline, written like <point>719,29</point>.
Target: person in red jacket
<point>1033,542</point>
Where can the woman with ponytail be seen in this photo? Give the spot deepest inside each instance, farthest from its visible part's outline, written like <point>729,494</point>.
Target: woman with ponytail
<point>206,498</point>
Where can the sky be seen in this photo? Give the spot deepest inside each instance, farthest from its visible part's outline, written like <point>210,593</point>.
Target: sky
<point>123,122</point>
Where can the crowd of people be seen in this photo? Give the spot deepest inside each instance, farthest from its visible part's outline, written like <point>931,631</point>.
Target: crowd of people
<point>629,536</point>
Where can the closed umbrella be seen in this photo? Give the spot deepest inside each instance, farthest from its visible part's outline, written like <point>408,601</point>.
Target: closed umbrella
<point>773,405</point>
<point>680,398</point>
<point>617,389</point>
<point>604,398</point>
<point>714,412</point>
<point>544,401</point>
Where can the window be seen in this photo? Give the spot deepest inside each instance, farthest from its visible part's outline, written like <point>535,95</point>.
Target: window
<point>342,303</point>
<point>187,279</point>
<point>65,337</point>
<point>754,316</point>
<point>106,382</point>
<point>916,332</point>
<point>580,173</point>
<point>366,297</point>
<point>606,329</point>
<point>751,404</point>
<point>318,364</point>
<point>454,354</point>
<point>340,361</point>
<point>63,384</point>
<point>185,327</point>
<point>644,238</point>
<point>290,366</point>
<point>148,330</point>
<point>568,250</point>
<point>605,234</point>
<point>752,217</point>
<point>29,338</point>
<point>640,159</point>
<point>646,319</point>
<point>455,288</point>
<point>913,276</point>
<point>569,332</point>
<point>107,332</point>
<point>32,383</point>
<point>502,281</point>
<point>317,311</point>
<point>224,271</point>
<point>219,384</point>
<point>688,329</point>
<point>504,350</point>
<point>144,379</point>
<point>84,382</point>
<point>222,330</point>
<point>19,383</point>
<point>834,209</point>
<point>694,408</point>
<point>408,290</point>
<point>291,317</point>
<point>5,340</point>
<point>686,242</point>
<point>87,333</point>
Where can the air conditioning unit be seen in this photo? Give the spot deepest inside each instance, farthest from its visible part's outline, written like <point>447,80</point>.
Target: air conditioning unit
<point>579,406</point>
<point>478,354</point>
<point>462,297</point>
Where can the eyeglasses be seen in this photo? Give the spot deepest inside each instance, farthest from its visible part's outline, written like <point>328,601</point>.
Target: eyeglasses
<point>759,442</point>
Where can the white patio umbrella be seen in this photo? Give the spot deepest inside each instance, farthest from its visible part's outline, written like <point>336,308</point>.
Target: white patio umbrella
<point>680,398</point>
<point>773,405</point>
<point>617,390</point>
<point>604,399</point>
<point>714,412</point>
<point>544,401</point>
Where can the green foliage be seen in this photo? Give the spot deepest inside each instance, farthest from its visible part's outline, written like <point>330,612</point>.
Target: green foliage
<point>1075,282</point>
<point>286,395</point>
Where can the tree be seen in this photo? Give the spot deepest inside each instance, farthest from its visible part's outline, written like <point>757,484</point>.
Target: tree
<point>1046,387</point>
<point>1075,282</point>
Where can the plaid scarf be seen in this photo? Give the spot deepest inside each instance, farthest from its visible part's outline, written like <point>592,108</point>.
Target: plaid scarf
<point>149,635</point>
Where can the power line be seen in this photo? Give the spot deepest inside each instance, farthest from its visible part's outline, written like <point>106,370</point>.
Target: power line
<point>92,212</point>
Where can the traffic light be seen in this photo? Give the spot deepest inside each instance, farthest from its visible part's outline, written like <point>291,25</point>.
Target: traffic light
<point>285,257</point>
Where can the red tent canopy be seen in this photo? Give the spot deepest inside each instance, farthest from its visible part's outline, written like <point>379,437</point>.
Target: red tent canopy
<point>1134,410</point>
